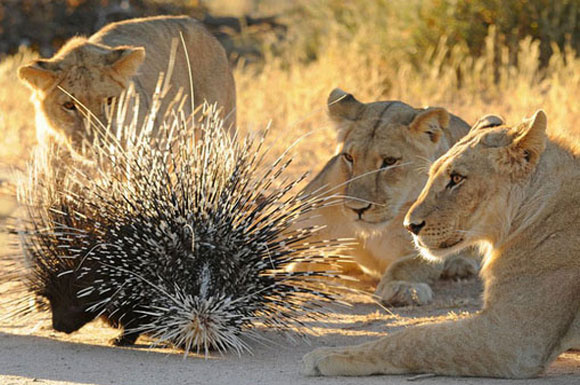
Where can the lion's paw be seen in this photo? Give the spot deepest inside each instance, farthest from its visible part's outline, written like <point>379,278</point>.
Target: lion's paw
<point>459,267</point>
<point>403,293</point>
<point>310,363</point>
<point>323,362</point>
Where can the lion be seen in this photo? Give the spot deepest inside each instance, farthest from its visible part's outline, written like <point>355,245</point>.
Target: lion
<point>379,170</point>
<point>94,71</point>
<point>516,194</point>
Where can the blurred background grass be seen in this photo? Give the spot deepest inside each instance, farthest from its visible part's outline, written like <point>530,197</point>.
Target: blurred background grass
<point>509,57</point>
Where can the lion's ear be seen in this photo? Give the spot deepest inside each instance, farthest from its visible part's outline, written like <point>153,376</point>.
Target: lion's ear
<point>126,60</point>
<point>342,105</point>
<point>530,137</point>
<point>343,108</point>
<point>431,122</point>
<point>488,121</point>
<point>38,75</point>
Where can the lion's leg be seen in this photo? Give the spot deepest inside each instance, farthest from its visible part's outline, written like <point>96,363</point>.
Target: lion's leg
<point>462,265</point>
<point>480,346</point>
<point>517,335</point>
<point>406,281</point>
<point>463,348</point>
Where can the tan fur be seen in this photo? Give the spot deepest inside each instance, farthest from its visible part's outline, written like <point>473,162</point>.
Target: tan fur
<point>100,67</point>
<point>372,133</point>
<point>520,201</point>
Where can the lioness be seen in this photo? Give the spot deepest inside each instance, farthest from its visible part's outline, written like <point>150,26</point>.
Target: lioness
<point>517,195</point>
<point>97,69</point>
<point>385,149</point>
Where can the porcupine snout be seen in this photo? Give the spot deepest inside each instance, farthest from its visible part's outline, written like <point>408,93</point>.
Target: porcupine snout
<point>69,319</point>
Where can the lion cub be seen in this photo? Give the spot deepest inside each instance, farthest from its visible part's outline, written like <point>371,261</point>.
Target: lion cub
<point>516,194</point>
<point>97,69</point>
<point>379,170</point>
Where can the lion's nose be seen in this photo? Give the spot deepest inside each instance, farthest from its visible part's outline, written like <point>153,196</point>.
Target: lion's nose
<point>361,210</point>
<point>415,228</point>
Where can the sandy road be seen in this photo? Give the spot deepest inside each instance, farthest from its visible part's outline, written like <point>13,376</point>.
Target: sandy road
<point>31,353</point>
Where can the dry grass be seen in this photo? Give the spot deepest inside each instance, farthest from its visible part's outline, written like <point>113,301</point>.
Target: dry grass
<point>292,93</point>
<point>17,133</point>
<point>327,50</point>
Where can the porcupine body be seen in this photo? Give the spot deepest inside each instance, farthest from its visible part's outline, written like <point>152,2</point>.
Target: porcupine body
<point>64,226</point>
<point>56,238</point>
<point>187,239</point>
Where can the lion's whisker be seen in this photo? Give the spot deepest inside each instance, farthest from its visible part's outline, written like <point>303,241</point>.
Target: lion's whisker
<point>358,199</point>
<point>320,190</point>
<point>469,232</point>
<point>427,160</point>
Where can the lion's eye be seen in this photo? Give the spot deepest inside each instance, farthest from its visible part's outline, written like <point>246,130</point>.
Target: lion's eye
<point>110,100</point>
<point>454,180</point>
<point>69,106</point>
<point>348,157</point>
<point>389,161</point>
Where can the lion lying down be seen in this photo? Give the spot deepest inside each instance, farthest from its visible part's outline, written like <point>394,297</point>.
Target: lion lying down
<point>377,173</point>
<point>516,194</point>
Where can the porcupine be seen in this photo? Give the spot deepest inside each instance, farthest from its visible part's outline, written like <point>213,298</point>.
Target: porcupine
<point>186,239</point>
<point>53,193</point>
<point>54,239</point>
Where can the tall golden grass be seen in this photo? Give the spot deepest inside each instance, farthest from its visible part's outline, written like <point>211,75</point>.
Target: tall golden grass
<point>292,92</point>
<point>17,132</point>
<point>365,50</point>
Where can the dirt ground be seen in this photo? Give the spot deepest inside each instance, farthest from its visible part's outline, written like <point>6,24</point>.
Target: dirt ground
<point>32,353</point>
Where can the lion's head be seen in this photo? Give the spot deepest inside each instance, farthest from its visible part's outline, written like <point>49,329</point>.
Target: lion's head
<point>92,75</point>
<point>467,197</point>
<point>385,148</point>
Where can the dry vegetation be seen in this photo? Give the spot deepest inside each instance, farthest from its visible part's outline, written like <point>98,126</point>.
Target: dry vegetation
<point>16,114</point>
<point>377,50</point>
<point>369,50</point>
